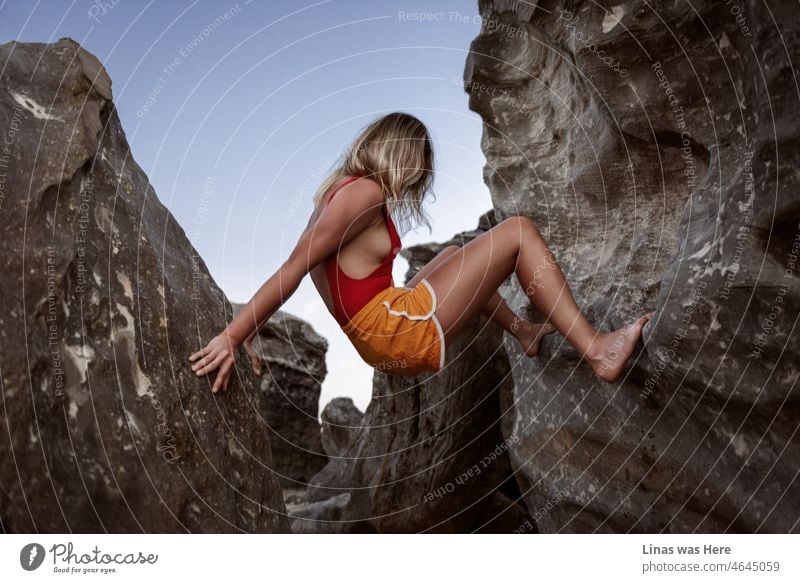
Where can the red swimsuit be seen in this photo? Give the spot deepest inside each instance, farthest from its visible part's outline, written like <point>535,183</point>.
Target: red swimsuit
<point>350,294</point>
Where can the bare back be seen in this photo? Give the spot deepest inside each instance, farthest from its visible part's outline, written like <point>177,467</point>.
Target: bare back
<point>360,256</point>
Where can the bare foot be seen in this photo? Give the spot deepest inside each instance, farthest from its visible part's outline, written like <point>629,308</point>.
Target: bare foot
<point>528,336</point>
<point>609,352</point>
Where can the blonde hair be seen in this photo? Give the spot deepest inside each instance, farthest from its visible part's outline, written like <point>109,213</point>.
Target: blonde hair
<point>395,151</point>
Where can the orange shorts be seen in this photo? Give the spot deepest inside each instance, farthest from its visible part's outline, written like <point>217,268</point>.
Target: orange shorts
<point>397,331</point>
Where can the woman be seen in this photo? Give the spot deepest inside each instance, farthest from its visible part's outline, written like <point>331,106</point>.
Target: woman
<point>348,248</point>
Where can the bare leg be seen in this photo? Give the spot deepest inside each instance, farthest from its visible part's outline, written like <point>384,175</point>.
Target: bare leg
<point>526,333</point>
<point>468,278</point>
<point>496,309</point>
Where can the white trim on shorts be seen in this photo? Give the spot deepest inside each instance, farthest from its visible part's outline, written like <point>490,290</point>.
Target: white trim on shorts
<point>429,315</point>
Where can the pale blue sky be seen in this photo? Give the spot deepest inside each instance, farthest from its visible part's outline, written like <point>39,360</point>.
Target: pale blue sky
<point>235,110</point>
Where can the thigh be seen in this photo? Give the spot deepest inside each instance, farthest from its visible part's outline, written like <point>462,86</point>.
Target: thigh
<point>467,277</point>
<point>426,269</point>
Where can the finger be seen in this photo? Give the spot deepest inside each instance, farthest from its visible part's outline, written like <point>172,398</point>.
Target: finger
<point>212,366</point>
<point>199,353</point>
<point>221,376</point>
<point>205,360</point>
<point>228,375</point>
<point>213,355</point>
<point>255,361</point>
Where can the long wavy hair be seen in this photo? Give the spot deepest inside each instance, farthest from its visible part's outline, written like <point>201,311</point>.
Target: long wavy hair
<point>396,151</point>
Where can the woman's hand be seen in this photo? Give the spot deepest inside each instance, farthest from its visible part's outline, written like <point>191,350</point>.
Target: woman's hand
<point>218,353</point>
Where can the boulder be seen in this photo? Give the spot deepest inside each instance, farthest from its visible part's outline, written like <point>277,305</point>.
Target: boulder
<point>341,421</point>
<point>314,516</point>
<point>294,358</point>
<point>103,299</point>
<point>655,148</point>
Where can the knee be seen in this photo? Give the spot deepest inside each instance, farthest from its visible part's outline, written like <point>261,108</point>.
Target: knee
<point>519,224</point>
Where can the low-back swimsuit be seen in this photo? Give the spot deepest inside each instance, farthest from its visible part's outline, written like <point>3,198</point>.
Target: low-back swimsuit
<point>350,294</point>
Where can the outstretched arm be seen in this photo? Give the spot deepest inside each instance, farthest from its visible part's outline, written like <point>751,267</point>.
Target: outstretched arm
<point>255,360</point>
<point>272,294</point>
<point>354,208</point>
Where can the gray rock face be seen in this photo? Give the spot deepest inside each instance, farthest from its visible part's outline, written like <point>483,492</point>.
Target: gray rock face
<point>294,355</point>
<point>103,299</point>
<point>315,516</point>
<point>429,455</point>
<point>655,147</point>
<point>341,421</point>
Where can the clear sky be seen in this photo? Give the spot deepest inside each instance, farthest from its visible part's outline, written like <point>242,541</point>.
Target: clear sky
<point>236,110</point>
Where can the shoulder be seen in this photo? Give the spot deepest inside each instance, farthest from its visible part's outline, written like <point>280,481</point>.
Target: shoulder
<point>366,191</point>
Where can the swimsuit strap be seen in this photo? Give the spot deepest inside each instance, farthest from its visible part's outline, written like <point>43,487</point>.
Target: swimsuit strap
<point>335,190</point>
<point>393,234</point>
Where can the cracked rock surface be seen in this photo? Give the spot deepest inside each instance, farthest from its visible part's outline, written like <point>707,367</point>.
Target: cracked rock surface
<point>105,427</point>
<point>656,148</point>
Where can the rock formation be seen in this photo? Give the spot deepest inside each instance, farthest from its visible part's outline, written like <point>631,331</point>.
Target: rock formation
<point>428,454</point>
<point>655,146</point>
<point>341,421</point>
<point>294,358</point>
<point>105,427</point>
